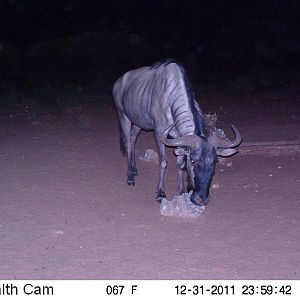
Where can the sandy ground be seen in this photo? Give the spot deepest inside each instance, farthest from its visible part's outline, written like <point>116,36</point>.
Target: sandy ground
<point>67,212</point>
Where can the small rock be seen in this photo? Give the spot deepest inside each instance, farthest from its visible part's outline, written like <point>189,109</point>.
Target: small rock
<point>228,164</point>
<point>57,232</point>
<point>221,160</point>
<point>150,155</point>
<point>215,185</point>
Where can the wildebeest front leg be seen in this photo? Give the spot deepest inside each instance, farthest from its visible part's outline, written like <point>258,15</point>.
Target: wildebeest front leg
<point>180,159</point>
<point>134,133</point>
<point>162,168</point>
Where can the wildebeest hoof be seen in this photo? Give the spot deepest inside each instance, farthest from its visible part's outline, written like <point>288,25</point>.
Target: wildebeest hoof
<point>198,201</point>
<point>160,197</point>
<point>189,188</point>
<point>131,182</point>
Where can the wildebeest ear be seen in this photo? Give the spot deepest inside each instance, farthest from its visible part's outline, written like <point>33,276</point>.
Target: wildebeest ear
<point>226,151</point>
<point>181,151</point>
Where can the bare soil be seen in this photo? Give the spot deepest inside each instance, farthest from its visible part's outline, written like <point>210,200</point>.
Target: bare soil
<point>67,212</point>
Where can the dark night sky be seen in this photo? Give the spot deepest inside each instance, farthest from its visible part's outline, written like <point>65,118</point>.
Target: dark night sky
<point>217,32</point>
<point>167,19</point>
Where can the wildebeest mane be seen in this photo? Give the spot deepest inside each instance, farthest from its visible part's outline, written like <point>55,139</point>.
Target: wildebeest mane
<point>163,62</point>
<point>198,117</point>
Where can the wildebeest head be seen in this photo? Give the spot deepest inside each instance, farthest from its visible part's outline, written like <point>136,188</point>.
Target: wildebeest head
<point>201,158</point>
<point>201,162</point>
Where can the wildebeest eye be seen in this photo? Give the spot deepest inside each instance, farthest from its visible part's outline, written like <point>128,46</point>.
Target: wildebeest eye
<point>192,161</point>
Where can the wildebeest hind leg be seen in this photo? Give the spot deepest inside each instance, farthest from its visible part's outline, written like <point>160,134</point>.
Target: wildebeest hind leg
<point>134,133</point>
<point>126,125</point>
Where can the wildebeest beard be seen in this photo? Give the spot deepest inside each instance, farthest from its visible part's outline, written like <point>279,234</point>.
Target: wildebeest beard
<point>203,160</point>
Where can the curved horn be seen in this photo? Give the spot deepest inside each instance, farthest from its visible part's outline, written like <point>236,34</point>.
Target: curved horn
<point>224,142</point>
<point>183,141</point>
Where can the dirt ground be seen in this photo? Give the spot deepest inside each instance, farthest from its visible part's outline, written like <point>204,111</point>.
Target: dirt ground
<point>67,212</point>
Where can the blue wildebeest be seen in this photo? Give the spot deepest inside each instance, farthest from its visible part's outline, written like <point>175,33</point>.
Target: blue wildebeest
<point>160,98</point>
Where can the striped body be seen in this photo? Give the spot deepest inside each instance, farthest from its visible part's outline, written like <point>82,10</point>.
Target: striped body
<point>156,97</point>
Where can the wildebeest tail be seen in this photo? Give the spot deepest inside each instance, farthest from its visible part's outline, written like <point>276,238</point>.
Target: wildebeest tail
<point>122,141</point>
